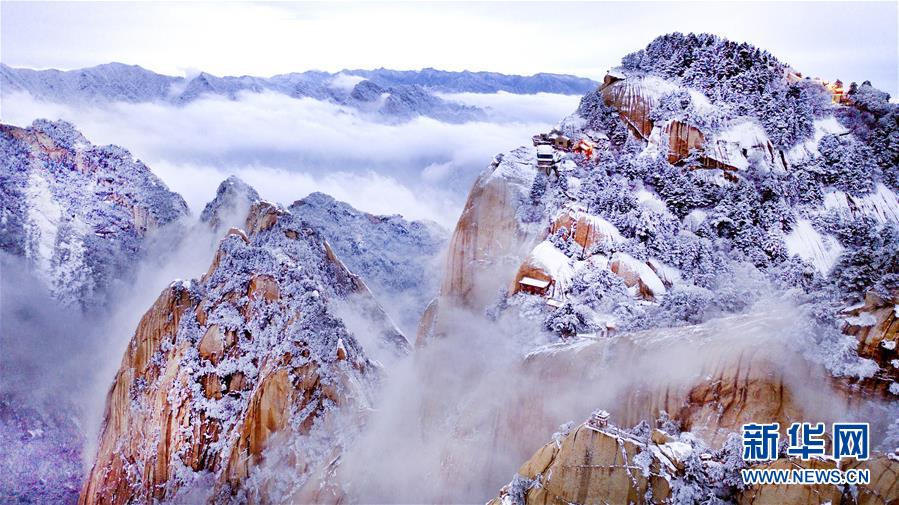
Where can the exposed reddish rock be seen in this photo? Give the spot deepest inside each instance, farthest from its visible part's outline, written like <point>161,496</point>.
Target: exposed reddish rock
<point>488,240</point>
<point>592,466</point>
<point>732,384</point>
<point>428,324</point>
<point>263,287</point>
<point>198,402</point>
<point>634,106</point>
<point>884,486</point>
<point>588,229</point>
<point>603,464</point>
<point>875,323</point>
<point>240,233</point>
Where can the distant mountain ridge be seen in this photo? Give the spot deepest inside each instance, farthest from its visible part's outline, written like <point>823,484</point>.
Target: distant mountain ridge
<point>391,93</point>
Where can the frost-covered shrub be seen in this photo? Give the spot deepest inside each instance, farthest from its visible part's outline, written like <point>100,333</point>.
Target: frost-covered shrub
<point>684,304</point>
<point>801,186</point>
<point>795,272</point>
<point>564,241</point>
<point>875,121</point>
<point>847,164</point>
<point>871,258</point>
<point>568,320</point>
<point>837,351</point>
<point>597,285</point>
<point>683,191</point>
<point>786,114</point>
<point>676,105</point>
<point>648,225</point>
<point>613,200</point>
<point>601,118</point>
<point>869,98</point>
<point>538,187</point>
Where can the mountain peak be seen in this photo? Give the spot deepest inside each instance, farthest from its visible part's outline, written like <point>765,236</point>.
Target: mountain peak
<point>232,200</point>
<point>78,213</point>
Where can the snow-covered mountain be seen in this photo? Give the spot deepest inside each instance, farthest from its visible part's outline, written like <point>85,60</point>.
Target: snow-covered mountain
<point>719,179</point>
<point>233,199</point>
<point>77,212</point>
<point>393,95</point>
<point>243,385</point>
<point>396,258</point>
<point>478,82</point>
<point>713,241</point>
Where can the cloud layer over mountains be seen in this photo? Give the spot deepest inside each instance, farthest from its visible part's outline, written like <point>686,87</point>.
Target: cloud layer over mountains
<point>288,147</point>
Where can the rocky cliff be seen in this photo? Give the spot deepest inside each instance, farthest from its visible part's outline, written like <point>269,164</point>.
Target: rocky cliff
<point>394,256</point>
<point>242,386</point>
<point>601,463</point>
<point>716,186</point>
<point>77,212</point>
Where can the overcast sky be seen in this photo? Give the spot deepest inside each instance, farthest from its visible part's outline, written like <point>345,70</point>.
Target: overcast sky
<point>852,41</point>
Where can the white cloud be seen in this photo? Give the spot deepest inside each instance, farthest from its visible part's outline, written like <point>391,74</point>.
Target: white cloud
<point>288,147</point>
<point>344,81</point>
<point>520,38</point>
<point>503,106</point>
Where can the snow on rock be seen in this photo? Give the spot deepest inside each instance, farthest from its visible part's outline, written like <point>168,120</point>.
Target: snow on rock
<point>78,213</point>
<point>881,204</point>
<point>862,319</point>
<point>875,326</point>
<point>588,229</point>
<point>741,143</point>
<point>809,148</point>
<point>554,262</point>
<point>636,273</point>
<point>821,250</point>
<point>258,383</point>
<point>668,274</point>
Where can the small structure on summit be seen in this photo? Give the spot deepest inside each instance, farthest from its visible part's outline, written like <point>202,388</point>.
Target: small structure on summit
<point>585,147</point>
<point>534,286</point>
<point>837,93</point>
<point>555,138</point>
<point>599,419</point>
<point>547,158</point>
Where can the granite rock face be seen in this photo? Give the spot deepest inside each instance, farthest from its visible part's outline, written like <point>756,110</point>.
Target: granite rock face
<point>79,213</point>
<point>241,386</point>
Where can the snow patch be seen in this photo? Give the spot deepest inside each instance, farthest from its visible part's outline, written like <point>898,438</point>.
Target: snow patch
<point>882,204</point>
<point>650,201</point>
<point>694,219</point>
<point>643,271</point>
<point>863,319</point>
<point>735,144</point>
<point>554,262</point>
<point>44,215</point>
<point>809,149</point>
<point>821,251</point>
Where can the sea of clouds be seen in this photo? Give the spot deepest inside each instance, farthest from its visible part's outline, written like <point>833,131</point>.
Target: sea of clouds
<point>289,147</point>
